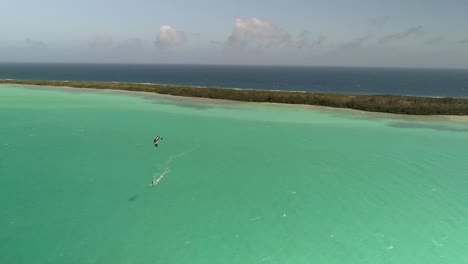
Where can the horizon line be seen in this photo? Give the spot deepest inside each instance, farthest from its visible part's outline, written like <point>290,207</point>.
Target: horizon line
<point>238,65</point>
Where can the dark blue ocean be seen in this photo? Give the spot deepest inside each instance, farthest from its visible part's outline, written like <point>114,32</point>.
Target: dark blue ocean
<point>418,82</point>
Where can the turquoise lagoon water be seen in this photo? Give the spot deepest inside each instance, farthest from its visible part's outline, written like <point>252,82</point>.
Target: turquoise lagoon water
<point>239,182</point>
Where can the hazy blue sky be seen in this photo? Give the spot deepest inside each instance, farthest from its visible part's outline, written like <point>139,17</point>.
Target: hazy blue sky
<point>411,33</point>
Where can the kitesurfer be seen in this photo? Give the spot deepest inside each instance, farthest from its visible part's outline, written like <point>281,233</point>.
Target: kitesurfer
<point>156,140</point>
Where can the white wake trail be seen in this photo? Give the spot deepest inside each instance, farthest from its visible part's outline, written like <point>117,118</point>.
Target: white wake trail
<point>157,179</point>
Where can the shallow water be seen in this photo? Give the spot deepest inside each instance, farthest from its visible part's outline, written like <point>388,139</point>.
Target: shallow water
<point>241,183</point>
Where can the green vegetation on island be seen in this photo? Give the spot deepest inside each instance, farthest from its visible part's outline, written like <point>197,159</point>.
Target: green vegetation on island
<point>412,105</point>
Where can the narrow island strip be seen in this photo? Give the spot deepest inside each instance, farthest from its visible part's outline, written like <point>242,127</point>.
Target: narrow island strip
<point>395,104</point>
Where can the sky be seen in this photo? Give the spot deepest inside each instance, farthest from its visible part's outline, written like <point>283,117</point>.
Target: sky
<point>369,33</point>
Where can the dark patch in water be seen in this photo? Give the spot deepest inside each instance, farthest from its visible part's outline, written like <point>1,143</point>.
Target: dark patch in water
<point>196,105</point>
<point>428,126</point>
<point>372,116</point>
<point>133,198</point>
<point>187,105</point>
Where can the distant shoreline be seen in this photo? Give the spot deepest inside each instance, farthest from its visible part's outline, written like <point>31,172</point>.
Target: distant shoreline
<point>395,104</point>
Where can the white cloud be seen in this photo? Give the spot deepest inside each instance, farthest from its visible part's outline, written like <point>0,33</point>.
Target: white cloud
<point>131,44</point>
<point>306,42</point>
<point>257,32</point>
<point>214,42</point>
<point>357,42</point>
<point>410,32</point>
<point>100,41</point>
<point>35,43</point>
<point>435,41</point>
<point>379,22</point>
<point>169,37</point>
